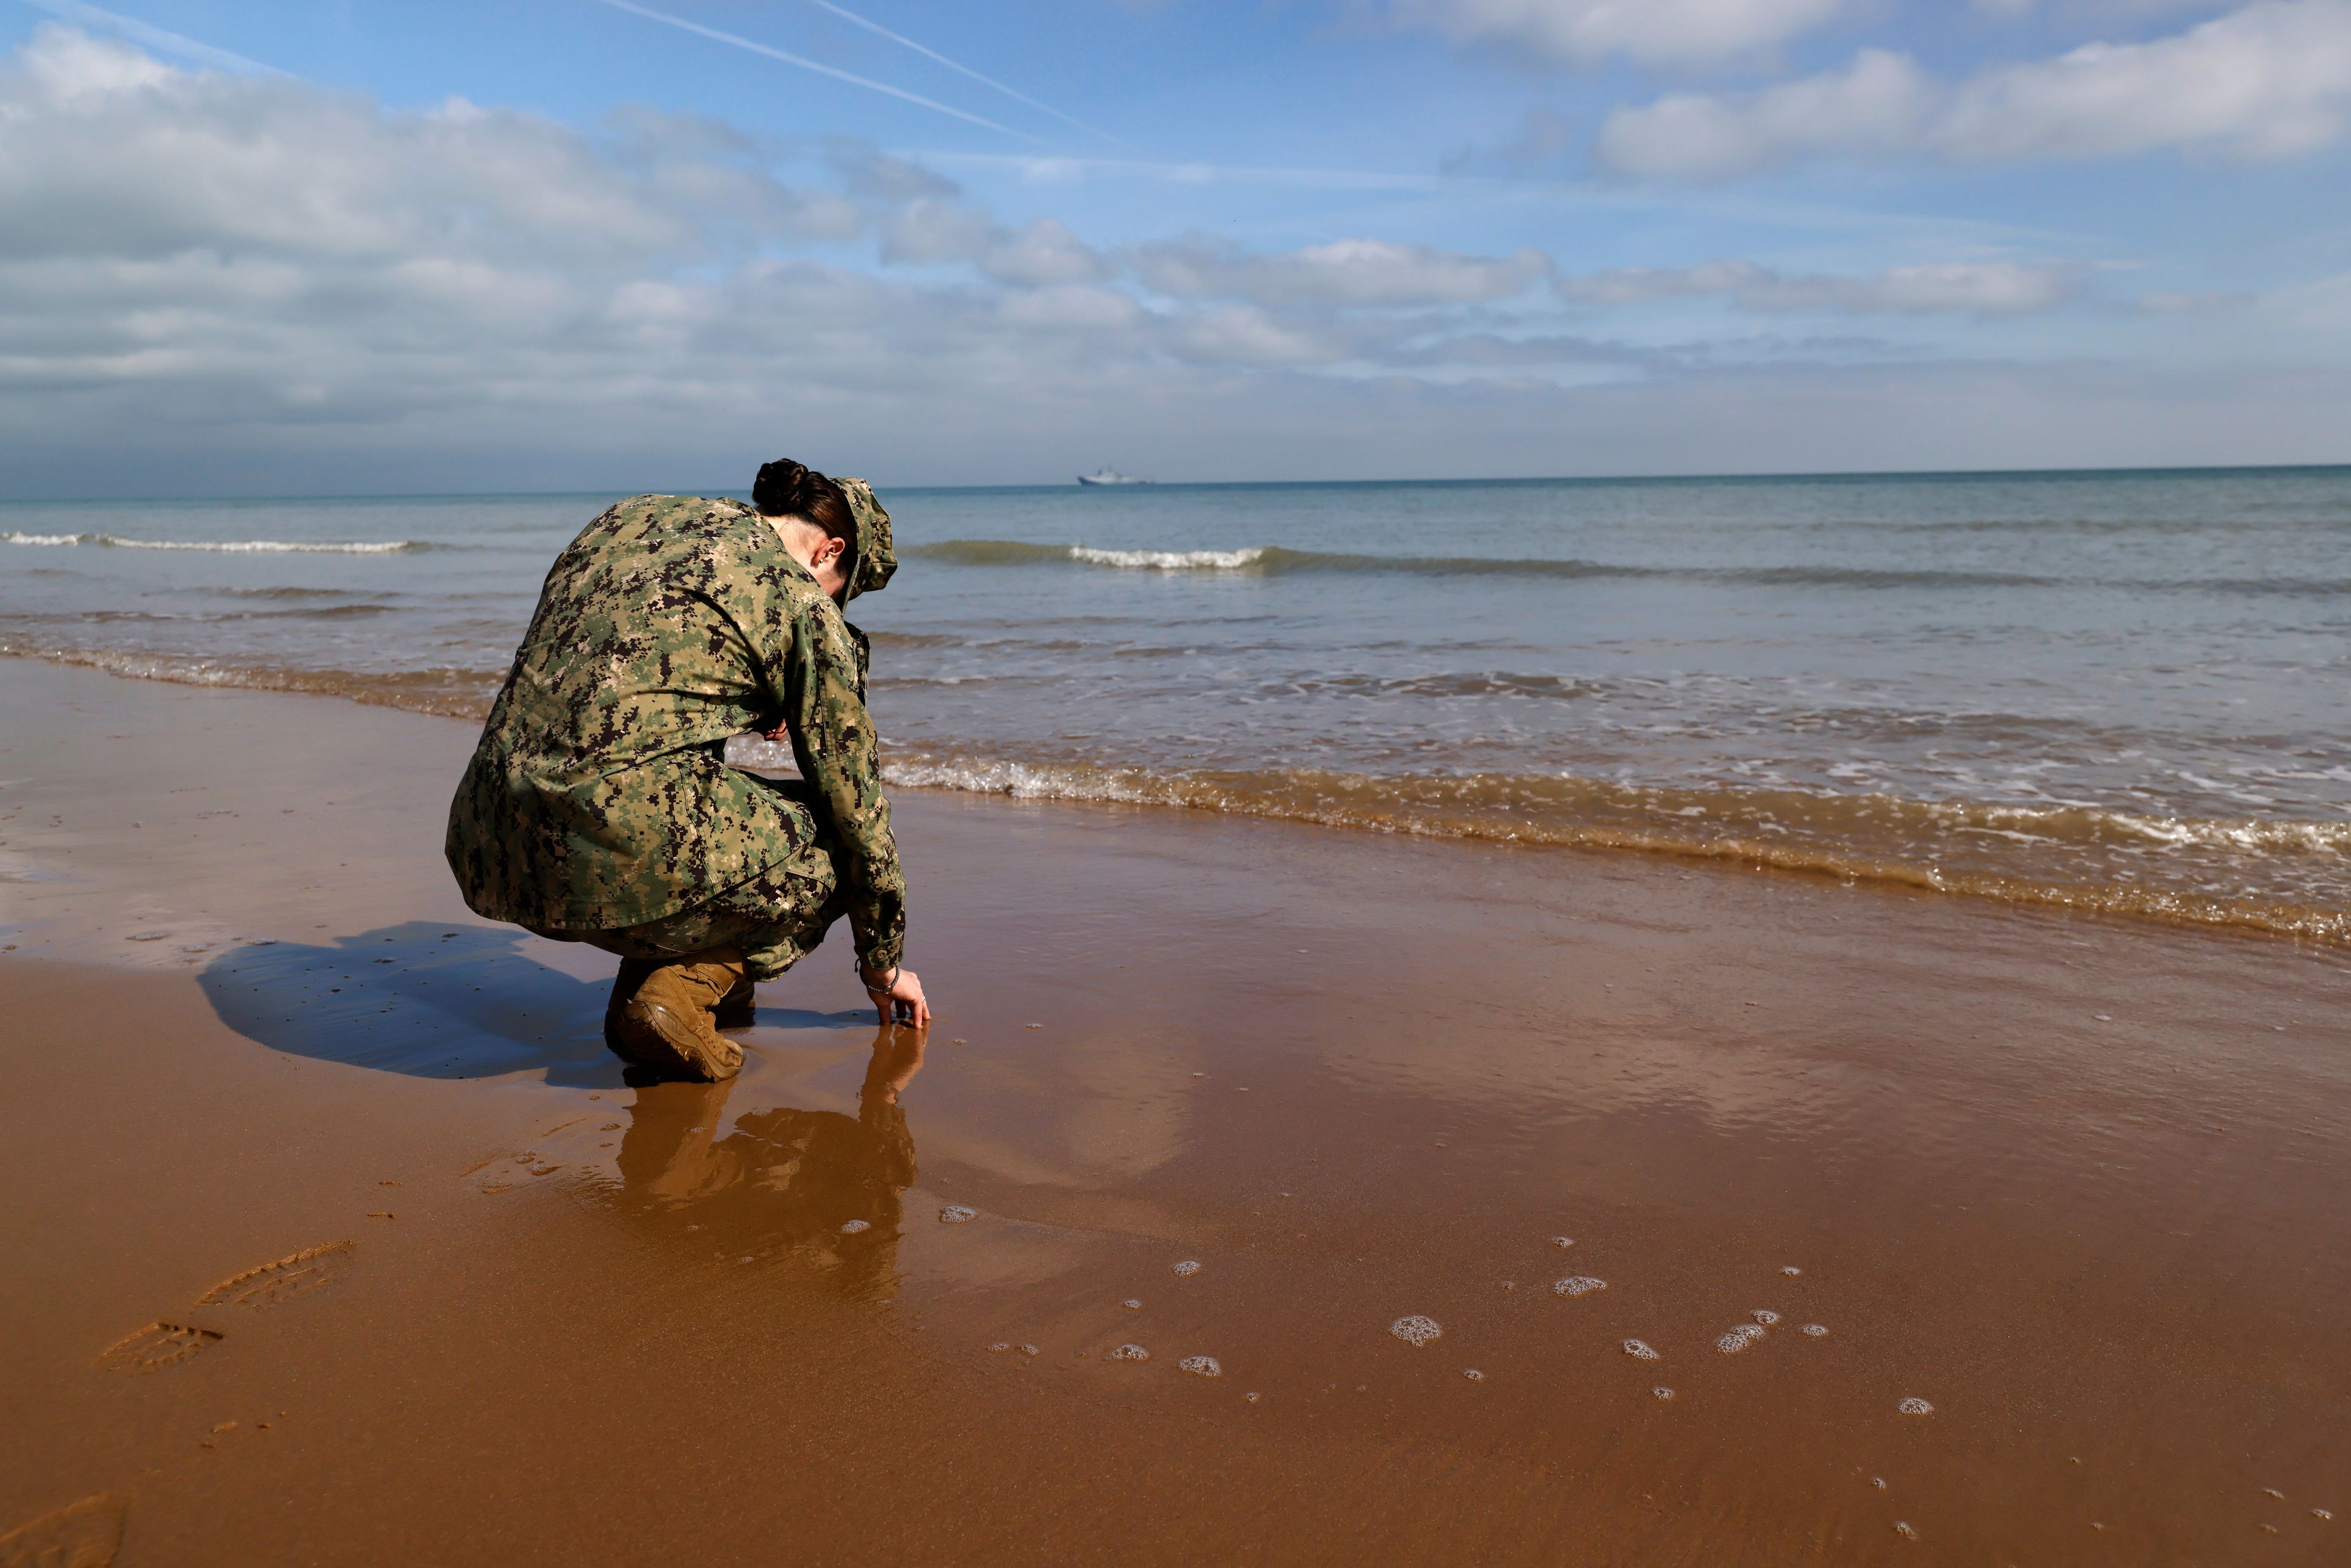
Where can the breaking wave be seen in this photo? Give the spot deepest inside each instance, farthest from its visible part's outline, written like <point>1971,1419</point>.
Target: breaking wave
<point>2284,877</point>
<point>451,693</point>
<point>1269,560</point>
<point>231,547</point>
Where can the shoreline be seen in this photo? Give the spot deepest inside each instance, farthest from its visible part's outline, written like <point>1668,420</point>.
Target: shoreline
<point>2069,1180</point>
<point>1431,807</point>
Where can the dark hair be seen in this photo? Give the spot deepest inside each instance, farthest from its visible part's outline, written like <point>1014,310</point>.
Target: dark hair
<point>788,489</point>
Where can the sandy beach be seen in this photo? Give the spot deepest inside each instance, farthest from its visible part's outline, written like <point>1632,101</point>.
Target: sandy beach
<point>2069,1187</point>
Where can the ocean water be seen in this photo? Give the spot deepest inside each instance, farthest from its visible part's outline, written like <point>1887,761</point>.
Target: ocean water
<point>2123,692</point>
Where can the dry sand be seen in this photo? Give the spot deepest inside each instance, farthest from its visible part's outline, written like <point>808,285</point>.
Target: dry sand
<point>2079,1185</point>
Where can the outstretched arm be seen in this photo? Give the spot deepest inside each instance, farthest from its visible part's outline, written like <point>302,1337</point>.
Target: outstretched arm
<point>833,741</point>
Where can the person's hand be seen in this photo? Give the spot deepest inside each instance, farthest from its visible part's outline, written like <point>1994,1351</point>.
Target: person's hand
<point>897,997</point>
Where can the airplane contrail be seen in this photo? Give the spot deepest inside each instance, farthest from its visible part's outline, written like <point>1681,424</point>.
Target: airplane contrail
<point>651,14</point>
<point>154,37</point>
<point>929,54</point>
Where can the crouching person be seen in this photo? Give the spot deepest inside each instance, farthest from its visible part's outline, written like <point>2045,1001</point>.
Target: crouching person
<point>598,807</point>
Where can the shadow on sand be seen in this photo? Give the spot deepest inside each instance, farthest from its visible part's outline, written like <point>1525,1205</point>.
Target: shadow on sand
<point>434,1001</point>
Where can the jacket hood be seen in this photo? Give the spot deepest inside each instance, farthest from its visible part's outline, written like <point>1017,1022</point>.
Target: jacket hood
<point>874,561</point>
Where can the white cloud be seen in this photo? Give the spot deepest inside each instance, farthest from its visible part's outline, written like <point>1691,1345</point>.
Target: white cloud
<point>1880,102</point>
<point>105,151</point>
<point>219,282</point>
<point>1361,272</point>
<point>222,266</point>
<point>2266,81</point>
<point>931,231</point>
<point>1041,253</point>
<point>1652,32</point>
<point>2320,308</point>
<point>150,36</point>
<point>1243,335</point>
<point>1959,287</point>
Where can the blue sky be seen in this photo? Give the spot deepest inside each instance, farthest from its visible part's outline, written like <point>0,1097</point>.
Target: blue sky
<point>287,248</point>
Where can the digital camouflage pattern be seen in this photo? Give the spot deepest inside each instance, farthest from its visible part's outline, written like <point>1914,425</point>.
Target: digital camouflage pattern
<point>596,799</point>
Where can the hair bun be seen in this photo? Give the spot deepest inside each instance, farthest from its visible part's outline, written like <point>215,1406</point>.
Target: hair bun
<point>785,488</point>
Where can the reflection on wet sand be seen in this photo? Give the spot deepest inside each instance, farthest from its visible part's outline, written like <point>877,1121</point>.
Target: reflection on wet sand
<point>815,1188</point>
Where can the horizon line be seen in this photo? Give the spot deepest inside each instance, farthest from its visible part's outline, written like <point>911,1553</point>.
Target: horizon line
<point>2107,470</point>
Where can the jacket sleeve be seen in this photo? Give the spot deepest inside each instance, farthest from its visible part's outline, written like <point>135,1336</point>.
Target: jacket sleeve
<point>833,739</point>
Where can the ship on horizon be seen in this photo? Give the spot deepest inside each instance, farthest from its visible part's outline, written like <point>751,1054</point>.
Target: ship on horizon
<point>1106,475</point>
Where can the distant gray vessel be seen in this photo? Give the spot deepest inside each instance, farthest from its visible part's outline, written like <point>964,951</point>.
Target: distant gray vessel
<point>1110,477</point>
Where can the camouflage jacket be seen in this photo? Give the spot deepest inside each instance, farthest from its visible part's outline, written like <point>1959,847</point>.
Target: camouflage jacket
<point>597,798</point>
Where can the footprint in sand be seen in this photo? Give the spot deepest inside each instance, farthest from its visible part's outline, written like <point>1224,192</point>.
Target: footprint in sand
<point>86,1534</point>
<point>157,1346</point>
<point>271,1283</point>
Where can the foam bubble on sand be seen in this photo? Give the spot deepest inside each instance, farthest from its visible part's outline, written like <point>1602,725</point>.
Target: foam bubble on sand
<point>2321,1513</point>
<point>1902,1528</point>
<point>1030,1350</point>
<point>1187,1269</point>
<point>1738,1339</point>
<point>1914,1406</point>
<point>1416,1329</point>
<point>1765,1316</point>
<point>851,1227</point>
<point>1132,1305</point>
<point>1473,1375</point>
<point>999,1347</point>
<point>1579,1285</point>
<point>1252,1398</point>
<point>956,1214</point>
<point>1639,1351</point>
<point>1662,1393</point>
<point>1562,1241</point>
<point>1128,1352</point>
<point>1816,1330</point>
<point>1792,1270</point>
<point>1200,1366</point>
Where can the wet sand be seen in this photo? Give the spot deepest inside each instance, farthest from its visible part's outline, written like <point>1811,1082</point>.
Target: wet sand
<point>2078,1185</point>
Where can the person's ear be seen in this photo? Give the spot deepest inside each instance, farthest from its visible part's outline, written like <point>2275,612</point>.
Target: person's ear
<point>830,550</point>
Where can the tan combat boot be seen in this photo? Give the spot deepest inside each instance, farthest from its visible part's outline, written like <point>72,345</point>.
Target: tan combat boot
<point>660,1016</point>
<point>739,1008</point>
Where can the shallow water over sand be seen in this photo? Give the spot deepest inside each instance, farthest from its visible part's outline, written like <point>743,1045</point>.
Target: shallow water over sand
<point>2122,692</point>
<point>2071,1185</point>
